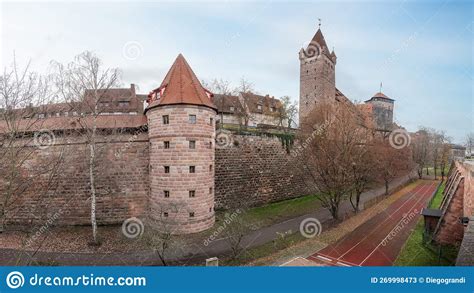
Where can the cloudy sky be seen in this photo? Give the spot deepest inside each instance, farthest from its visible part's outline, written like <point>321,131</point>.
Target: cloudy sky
<point>421,51</point>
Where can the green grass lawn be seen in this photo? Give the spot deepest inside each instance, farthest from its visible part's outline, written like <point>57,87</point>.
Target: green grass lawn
<point>436,203</point>
<point>414,253</point>
<point>283,210</point>
<point>264,250</point>
<point>438,171</point>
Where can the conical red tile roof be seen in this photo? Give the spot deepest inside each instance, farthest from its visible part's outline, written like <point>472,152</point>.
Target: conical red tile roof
<point>381,95</point>
<point>319,38</point>
<point>181,86</point>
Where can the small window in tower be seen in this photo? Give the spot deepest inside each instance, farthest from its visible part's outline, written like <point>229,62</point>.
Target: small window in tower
<point>210,144</point>
<point>192,193</point>
<point>210,168</point>
<point>192,119</point>
<point>165,214</point>
<point>210,209</point>
<point>167,193</point>
<point>167,169</point>
<point>210,190</point>
<point>192,144</point>
<point>211,121</point>
<point>166,119</point>
<point>192,169</point>
<point>167,144</point>
<point>191,214</point>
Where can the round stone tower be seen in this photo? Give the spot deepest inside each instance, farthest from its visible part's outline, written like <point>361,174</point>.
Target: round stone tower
<point>181,130</point>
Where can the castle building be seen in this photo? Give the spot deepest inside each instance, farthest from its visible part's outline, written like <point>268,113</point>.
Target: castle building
<point>318,84</point>
<point>260,111</point>
<point>382,111</point>
<point>181,132</point>
<point>160,162</point>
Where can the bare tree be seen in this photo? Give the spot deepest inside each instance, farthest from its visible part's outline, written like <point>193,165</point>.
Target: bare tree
<point>234,233</point>
<point>363,173</point>
<point>421,150</point>
<point>391,162</point>
<point>439,151</point>
<point>245,86</point>
<point>244,92</point>
<point>24,96</point>
<point>437,141</point>
<point>329,158</point>
<point>221,87</point>
<point>162,237</point>
<point>444,160</point>
<point>84,84</point>
<point>288,112</point>
<point>470,143</point>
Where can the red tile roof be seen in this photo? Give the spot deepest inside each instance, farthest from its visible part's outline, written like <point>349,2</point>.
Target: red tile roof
<point>70,123</point>
<point>319,39</point>
<point>181,86</point>
<point>225,102</point>
<point>266,102</point>
<point>380,95</point>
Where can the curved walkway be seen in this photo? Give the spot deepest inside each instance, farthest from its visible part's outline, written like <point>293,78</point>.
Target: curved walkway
<point>378,241</point>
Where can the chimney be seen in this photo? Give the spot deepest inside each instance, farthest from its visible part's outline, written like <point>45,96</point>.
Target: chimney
<point>132,88</point>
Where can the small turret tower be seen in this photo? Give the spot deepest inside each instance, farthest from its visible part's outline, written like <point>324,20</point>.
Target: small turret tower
<point>317,75</point>
<point>382,111</point>
<point>181,130</point>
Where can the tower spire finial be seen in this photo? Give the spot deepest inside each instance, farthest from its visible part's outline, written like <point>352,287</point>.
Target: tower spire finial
<point>380,87</point>
<point>319,25</point>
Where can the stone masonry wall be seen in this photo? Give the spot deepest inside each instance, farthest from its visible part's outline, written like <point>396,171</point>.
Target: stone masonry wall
<point>122,182</point>
<point>253,171</point>
<point>451,231</point>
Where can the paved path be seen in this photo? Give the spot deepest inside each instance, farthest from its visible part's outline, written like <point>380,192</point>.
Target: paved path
<point>193,253</point>
<point>378,241</point>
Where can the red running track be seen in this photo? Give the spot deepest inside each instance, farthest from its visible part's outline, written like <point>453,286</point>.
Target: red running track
<point>378,241</point>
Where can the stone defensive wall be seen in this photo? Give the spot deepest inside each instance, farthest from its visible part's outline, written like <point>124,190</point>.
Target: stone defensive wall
<point>253,170</point>
<point>457,204</point>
